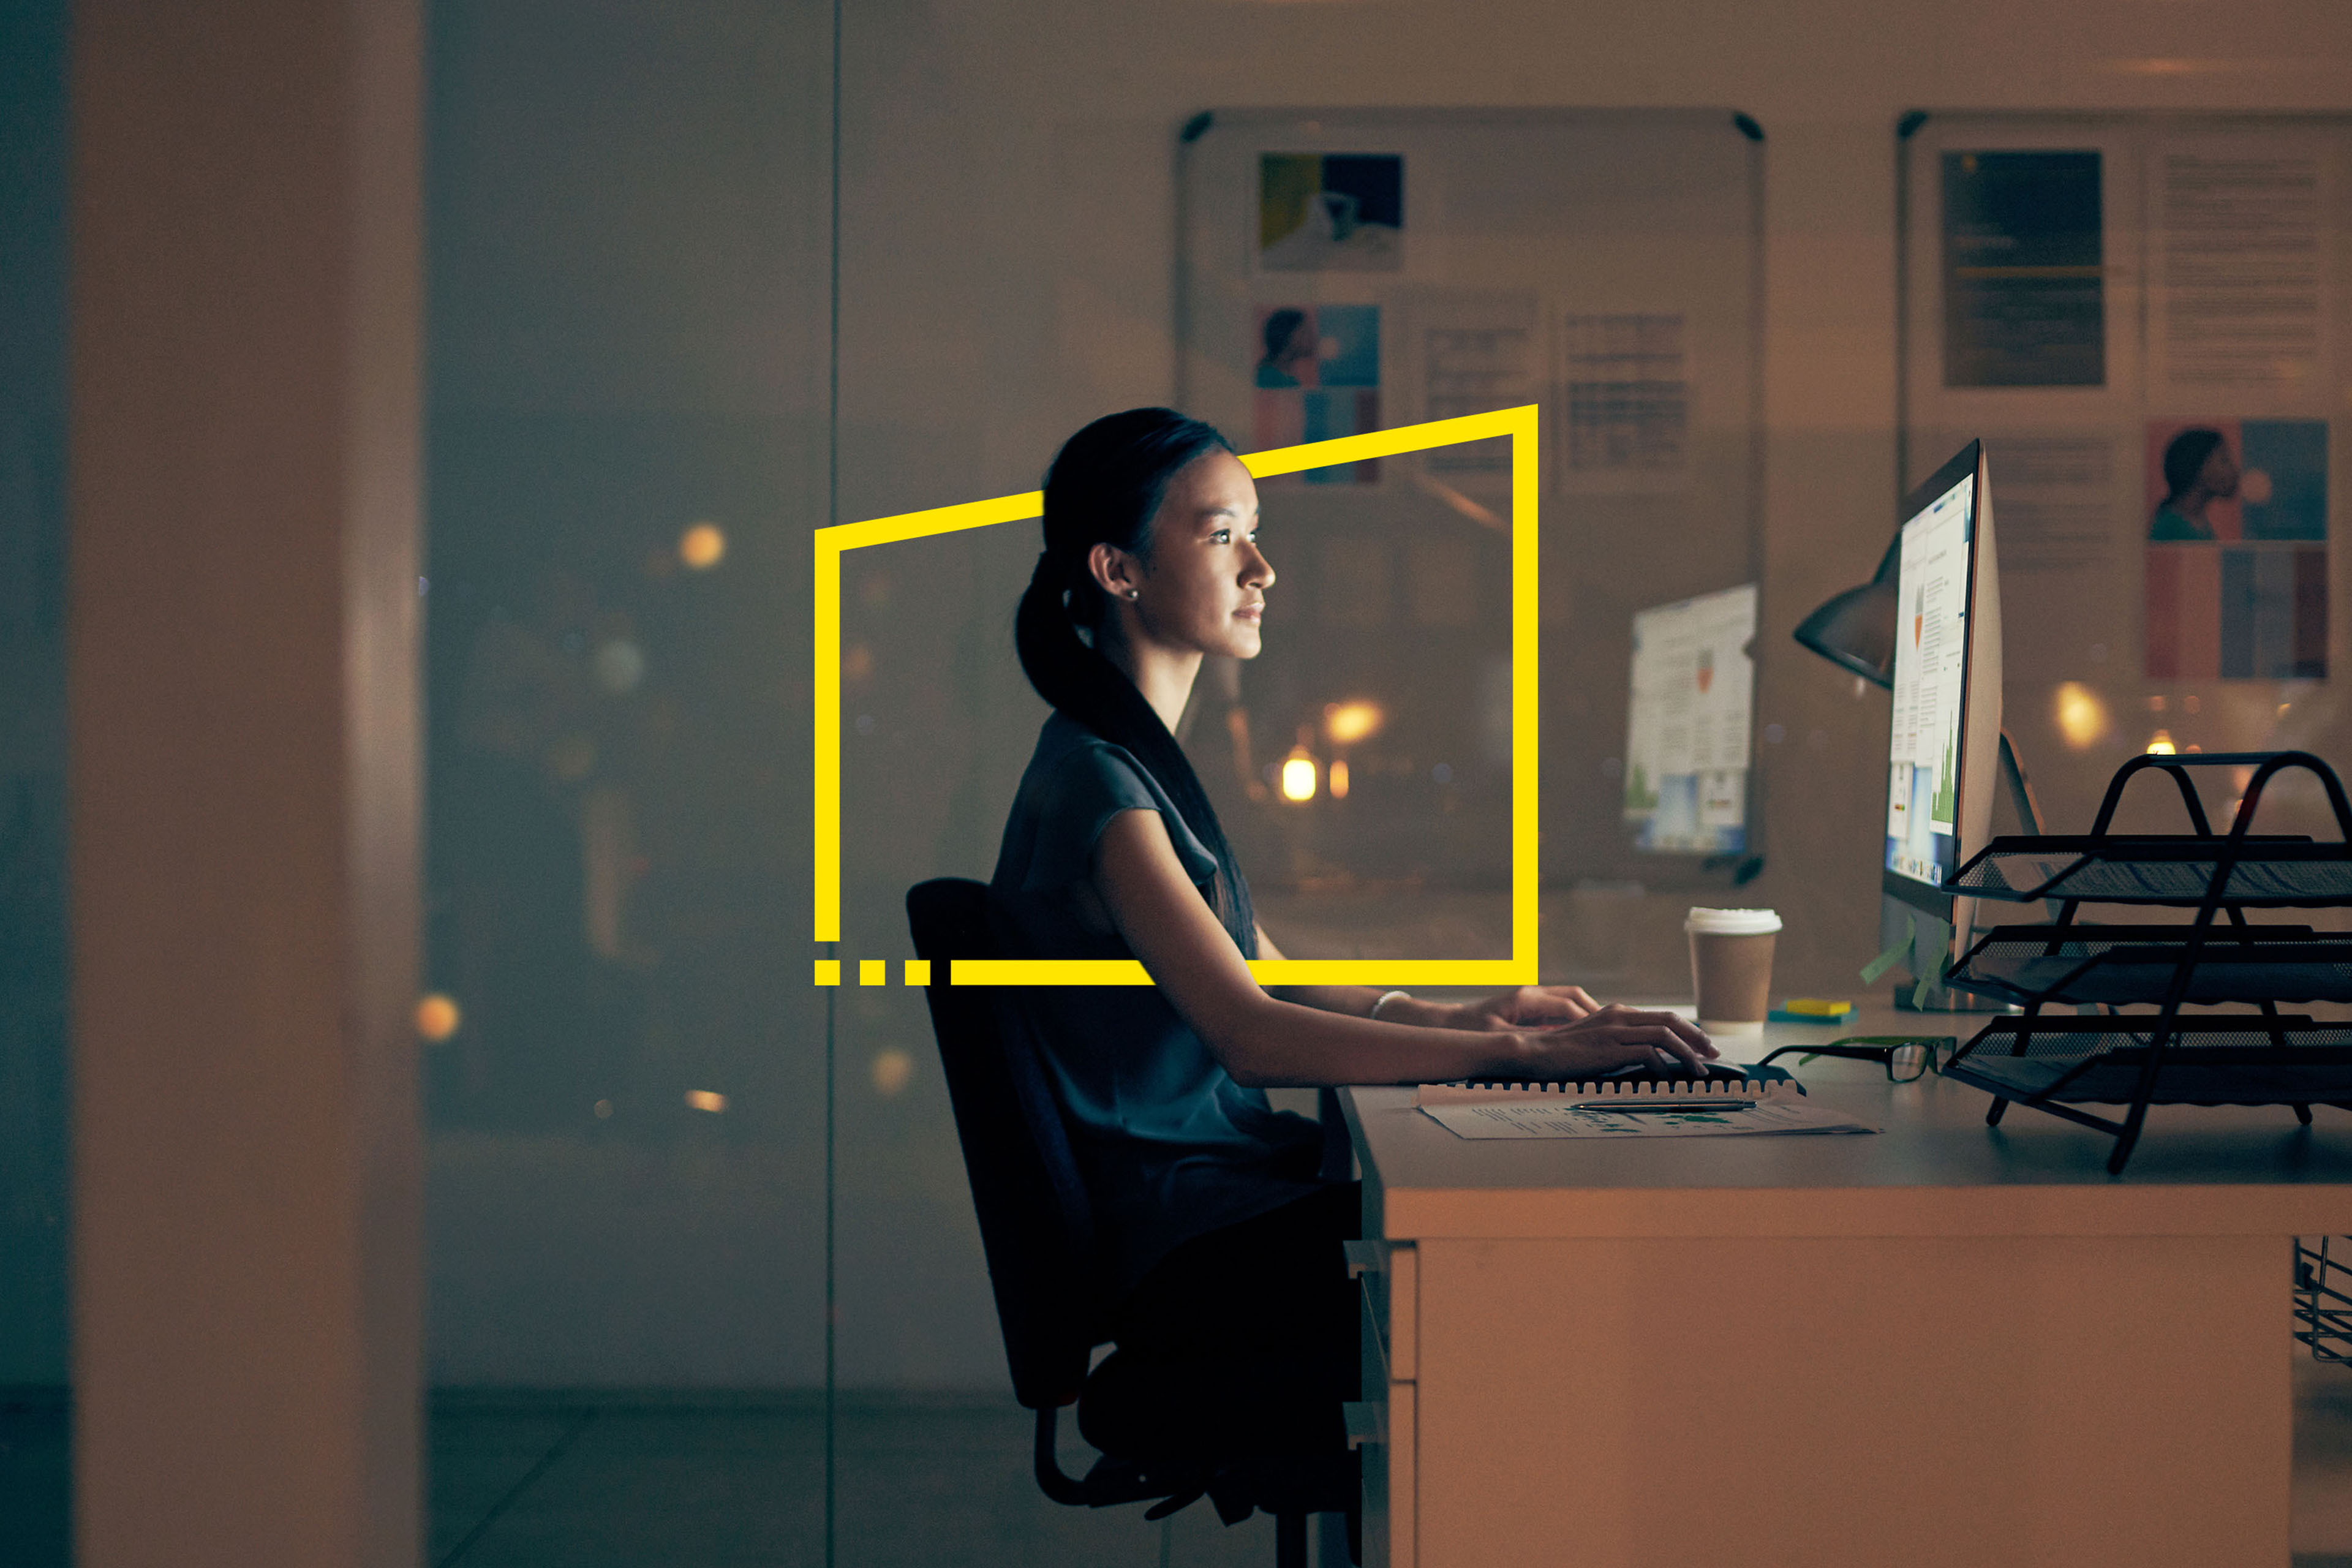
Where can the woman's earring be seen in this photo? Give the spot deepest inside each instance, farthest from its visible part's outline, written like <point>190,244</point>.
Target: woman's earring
<point>1135,593</point>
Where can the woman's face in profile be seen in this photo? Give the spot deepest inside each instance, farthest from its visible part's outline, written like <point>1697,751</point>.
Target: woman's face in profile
<point>2218,477</point>
<point>1205,588</point>
<point>1297,354</point>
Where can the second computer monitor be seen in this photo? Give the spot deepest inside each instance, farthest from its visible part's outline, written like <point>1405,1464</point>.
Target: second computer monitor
<point>1687,739</point>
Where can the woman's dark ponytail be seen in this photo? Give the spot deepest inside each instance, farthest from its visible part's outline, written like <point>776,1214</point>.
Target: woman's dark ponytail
<point>1103,488</point>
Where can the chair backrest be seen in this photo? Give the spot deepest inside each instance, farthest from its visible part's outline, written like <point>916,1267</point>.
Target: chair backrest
<point>1035,1223</point>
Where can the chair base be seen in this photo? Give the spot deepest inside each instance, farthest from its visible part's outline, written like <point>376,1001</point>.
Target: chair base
<point>1289,1489</point>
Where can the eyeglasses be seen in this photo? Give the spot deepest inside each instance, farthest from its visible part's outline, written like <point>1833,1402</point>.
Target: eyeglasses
<point>1906,1057</point>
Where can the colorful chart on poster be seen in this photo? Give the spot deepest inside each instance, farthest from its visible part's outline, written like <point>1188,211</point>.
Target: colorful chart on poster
<point>1931,650</point>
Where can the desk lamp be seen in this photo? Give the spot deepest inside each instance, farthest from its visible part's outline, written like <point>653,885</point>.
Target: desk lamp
<point>1856,631</point>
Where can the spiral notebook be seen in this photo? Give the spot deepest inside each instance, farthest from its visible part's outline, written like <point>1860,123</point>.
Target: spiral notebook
<point>1699,1109</point>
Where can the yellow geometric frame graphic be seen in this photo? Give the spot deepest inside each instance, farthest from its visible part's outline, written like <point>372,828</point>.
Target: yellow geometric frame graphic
<point>1520,424</point>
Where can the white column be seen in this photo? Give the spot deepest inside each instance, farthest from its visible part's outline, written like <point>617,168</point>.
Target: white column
<point>244,781</point>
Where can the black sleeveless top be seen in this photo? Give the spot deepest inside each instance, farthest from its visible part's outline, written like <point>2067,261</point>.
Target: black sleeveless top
<point>1170,1145</point>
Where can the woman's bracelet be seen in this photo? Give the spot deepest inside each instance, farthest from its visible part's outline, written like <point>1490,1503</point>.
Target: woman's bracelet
<point>1385,998</point>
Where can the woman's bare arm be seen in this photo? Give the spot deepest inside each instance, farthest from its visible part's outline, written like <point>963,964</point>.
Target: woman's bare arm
<point>1263,1039</point>
<point>1356,1000</point>
<point>1531,1005</point>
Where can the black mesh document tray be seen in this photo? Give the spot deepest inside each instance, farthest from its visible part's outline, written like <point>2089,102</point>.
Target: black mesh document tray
<point>2210,1061</point>
<point>2162,1056</point>
<point>2120,966</point>
<point>2172,870</point>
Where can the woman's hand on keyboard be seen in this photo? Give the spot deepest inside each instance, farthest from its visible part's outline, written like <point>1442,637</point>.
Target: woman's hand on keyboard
<point>1612,1037</point>
<point>1527,1006</point>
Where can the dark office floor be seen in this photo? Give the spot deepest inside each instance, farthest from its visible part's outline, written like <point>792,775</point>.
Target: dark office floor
<point>684,1480</point>
<point>674,1480</point>
<point>681,1480</point>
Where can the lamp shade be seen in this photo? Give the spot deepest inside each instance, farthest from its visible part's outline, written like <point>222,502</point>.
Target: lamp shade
<point>1856,629</point>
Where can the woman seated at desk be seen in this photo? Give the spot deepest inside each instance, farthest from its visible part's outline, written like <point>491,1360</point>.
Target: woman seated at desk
<point>1219,1238</point>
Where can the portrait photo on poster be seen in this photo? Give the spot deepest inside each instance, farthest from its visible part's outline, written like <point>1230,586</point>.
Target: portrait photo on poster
<point>1330,212</point>
<point>2236,531</point>
<point>1318,377</point>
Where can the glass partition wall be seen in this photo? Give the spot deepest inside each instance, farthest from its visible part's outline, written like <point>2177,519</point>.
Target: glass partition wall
<point>624,1065</point>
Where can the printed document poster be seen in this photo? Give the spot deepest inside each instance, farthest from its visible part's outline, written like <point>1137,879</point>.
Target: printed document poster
<point>1931,648</point>
<point>2059,498</point>
<point>1626,411</point>
<point>1464,352</point>
<point>2236,524</point>
<point>1687,745</point>
<point>2239,260</point>
<point>2024,295</point>
<point>1318,377</point>
<point>1330,212</point>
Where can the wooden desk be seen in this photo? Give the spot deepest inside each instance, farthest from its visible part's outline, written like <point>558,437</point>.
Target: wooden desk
<point>1943,1344</point>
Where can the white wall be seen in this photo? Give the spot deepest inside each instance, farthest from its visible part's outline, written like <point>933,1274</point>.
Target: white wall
<point>1007,225</point>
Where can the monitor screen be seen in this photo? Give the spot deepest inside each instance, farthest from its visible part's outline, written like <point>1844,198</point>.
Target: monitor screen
<point>1687,745</point>
<point>1931,662</point>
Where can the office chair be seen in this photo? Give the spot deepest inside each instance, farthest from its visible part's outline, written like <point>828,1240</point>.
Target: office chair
<point>1037,1229</point>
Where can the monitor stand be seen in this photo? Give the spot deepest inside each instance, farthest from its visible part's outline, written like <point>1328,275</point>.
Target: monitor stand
<point>1940,1000</point>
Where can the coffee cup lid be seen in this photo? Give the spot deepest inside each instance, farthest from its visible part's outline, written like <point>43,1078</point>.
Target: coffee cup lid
<point>1732,923</point>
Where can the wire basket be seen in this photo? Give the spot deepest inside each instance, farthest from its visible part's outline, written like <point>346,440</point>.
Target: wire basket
<point>2323,1298</point>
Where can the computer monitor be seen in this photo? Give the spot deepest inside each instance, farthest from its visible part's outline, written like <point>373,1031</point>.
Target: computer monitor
<point>1687,725</point>
<point>1944,750</point>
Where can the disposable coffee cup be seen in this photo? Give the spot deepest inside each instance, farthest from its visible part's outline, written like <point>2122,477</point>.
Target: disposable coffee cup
<point>1731,967</point>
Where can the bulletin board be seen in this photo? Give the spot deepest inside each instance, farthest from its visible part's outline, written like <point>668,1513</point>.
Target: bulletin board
<point>2144,317</point>
<point>1348,270</point>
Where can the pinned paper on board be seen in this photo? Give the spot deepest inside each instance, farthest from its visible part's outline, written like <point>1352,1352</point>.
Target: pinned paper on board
<point>1330,212</point>
<point>2239,265</point>
<point>1317,377</point>
<point>1687,727</point>
<point>1626,402</point>
<point>2237,549</point>
<point>1472,352</point>
<point>2057,491</point>
<point>2024,273</point>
